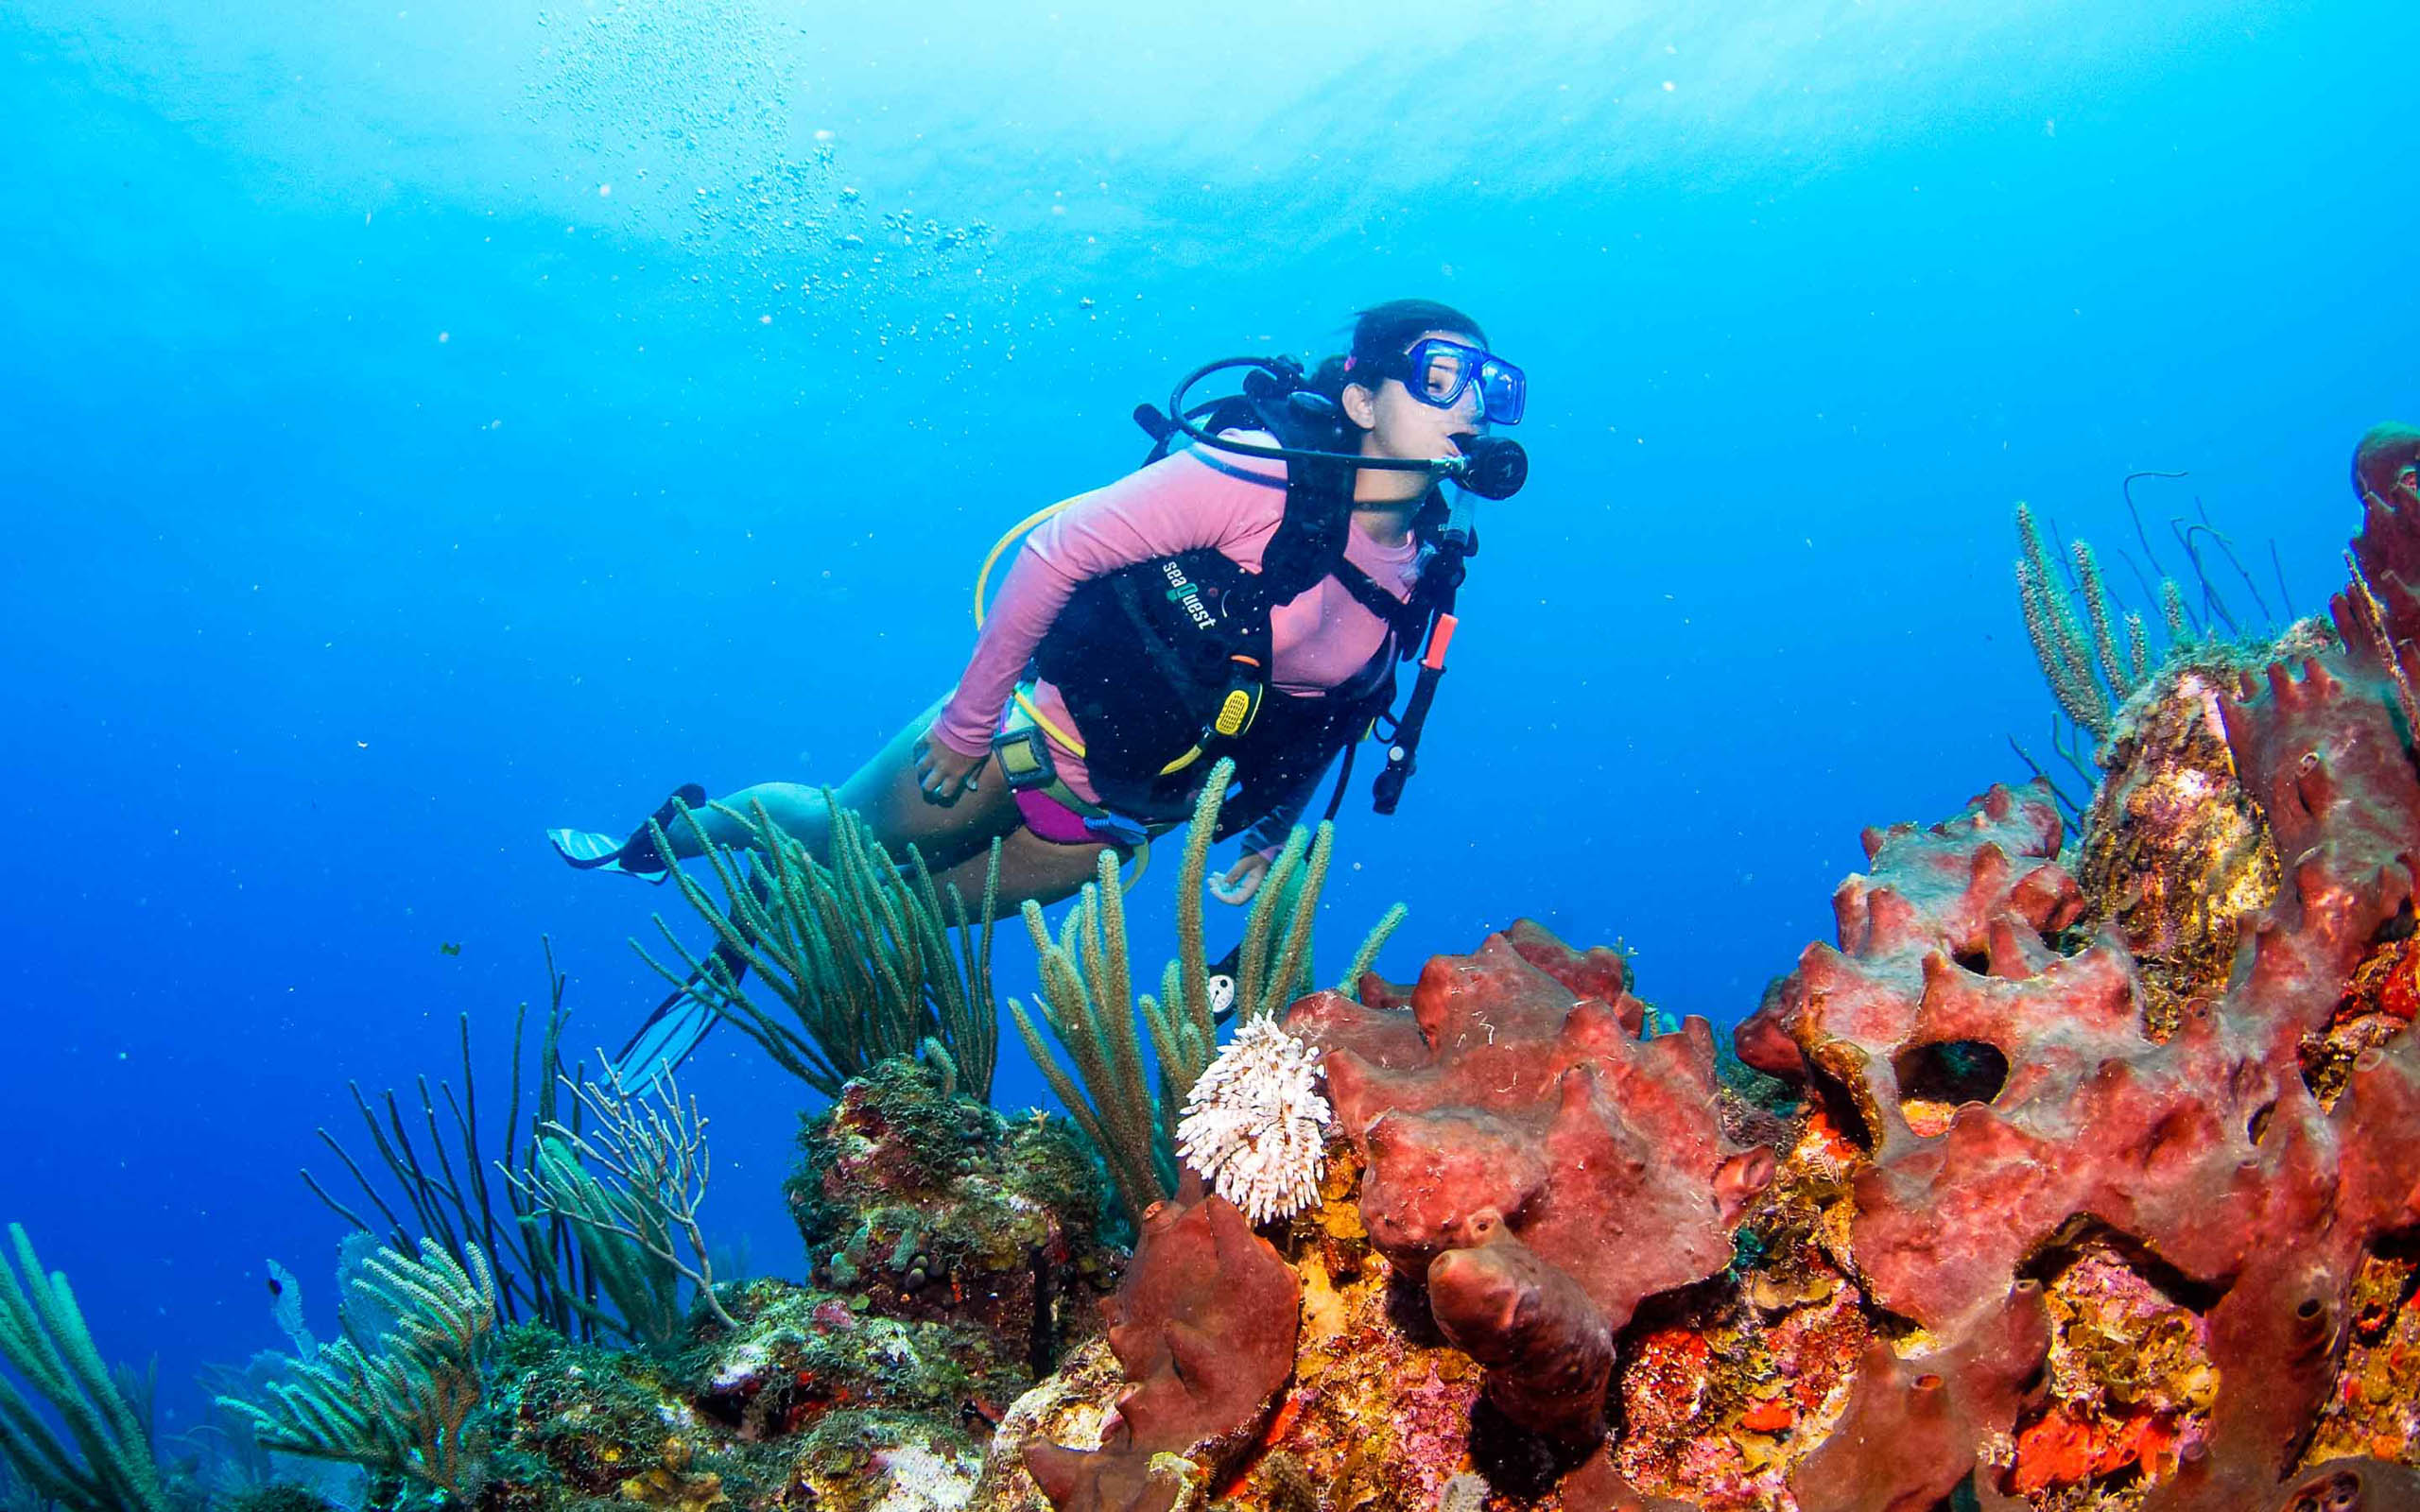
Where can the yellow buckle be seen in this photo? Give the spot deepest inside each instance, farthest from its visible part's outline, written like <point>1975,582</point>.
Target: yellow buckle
<point>1235,712</point>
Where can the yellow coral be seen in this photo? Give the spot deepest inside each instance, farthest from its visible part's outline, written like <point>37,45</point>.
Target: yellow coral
<point>678,1491</point>
<point>2175,854</point>
<point>672,1486</point>
<point>1189,1482</point>
<point>2376,1395</point>
<point>2130,1386</point>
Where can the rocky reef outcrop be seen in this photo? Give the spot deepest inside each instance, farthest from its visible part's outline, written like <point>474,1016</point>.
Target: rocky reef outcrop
<point>1542,1167</point>
<point>954,1261</point>
<point>1204,1330</point>
<point>2127,1200</point>
<point>928,1207</point>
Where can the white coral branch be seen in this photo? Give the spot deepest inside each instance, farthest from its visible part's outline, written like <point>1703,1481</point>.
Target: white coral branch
<point>1256,1126</point>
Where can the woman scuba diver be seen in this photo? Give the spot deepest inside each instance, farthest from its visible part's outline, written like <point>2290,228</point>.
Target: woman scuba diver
<point>1246,596</point>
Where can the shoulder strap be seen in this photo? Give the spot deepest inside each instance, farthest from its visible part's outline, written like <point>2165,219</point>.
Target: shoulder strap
<point>1402,616</point>
<point>1309,543</point>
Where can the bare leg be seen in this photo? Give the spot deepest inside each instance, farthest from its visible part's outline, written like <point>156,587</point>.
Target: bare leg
<point>885,794</point>
<point>954,839</point>
<point>796,809</point>
<point>1030,868</point>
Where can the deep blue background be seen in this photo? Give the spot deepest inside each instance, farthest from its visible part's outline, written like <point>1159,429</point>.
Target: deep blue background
<point>313,617</point>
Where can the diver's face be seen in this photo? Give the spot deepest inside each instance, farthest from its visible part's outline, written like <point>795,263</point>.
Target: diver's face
<point>1399,425</point>
<point>2407,484</point>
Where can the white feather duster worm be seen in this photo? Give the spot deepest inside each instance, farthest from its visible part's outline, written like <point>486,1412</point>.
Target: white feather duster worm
<point>1256,1126</point>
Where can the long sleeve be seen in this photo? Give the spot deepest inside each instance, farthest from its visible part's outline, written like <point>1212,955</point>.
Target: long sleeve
<point>1181,503</point>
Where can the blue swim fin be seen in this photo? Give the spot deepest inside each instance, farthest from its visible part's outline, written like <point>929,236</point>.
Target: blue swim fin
<point>591,850</point>
<point>682,1020</point>
<point>677,1027</point>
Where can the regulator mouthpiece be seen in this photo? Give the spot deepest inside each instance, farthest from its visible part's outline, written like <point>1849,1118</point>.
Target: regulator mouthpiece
<point>1493,467</point>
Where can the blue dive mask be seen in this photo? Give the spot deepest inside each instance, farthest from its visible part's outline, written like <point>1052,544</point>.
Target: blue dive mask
<point>1438,372</point>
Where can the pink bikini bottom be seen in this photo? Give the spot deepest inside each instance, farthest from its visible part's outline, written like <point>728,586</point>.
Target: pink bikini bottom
<point>1052,820</point>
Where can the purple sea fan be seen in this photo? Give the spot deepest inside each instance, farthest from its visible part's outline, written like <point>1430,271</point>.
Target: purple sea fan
<point>1256,1125</point>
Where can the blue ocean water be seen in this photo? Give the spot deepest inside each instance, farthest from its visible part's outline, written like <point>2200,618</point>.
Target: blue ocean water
<point>430,421</point>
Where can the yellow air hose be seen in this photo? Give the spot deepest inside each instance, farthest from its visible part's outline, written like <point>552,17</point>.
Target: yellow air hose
<point>1043,721</point>
<point>983,582</point>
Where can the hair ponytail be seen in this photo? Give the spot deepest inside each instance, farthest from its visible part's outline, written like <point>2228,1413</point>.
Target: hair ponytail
<point>1327,379</point>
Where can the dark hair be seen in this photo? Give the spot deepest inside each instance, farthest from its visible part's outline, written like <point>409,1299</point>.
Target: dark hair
<point>1385,330</point>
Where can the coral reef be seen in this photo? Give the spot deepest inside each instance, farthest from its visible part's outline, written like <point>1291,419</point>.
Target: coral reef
<point>2069,1179</point>
<point>401,1404</point>
<point>2174,853</point>
<point>280,1498</point>
<point>1541,1165</point>
<point>2158,1181</point>
<point>956,1257</point>
<point>808,1404</point>
<point>2374,1410</point>
<point>2353,1486</point>
<point>1204,1330</point>
<point>2080,1173</point>
<point>1453,1348</point>
<point>1374,1416</point>
<point>926,1207</point>
<point>1720,1394</point>
<point>1088,1003</point>
<point>1380,1407</point>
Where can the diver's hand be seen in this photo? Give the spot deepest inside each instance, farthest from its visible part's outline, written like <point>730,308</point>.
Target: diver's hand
<point>1237,883</point>
<point>942,773</point>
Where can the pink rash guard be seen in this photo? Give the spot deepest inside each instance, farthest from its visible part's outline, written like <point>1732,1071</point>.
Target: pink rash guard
<point>1186,500</point>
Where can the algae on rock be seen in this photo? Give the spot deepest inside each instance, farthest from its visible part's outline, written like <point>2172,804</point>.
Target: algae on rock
<point>929,1207</point>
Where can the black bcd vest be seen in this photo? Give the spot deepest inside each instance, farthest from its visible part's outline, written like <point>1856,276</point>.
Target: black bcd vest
<point>1165,663</point>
